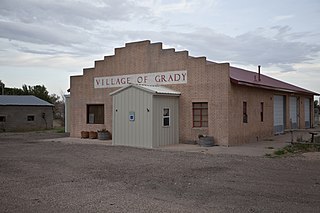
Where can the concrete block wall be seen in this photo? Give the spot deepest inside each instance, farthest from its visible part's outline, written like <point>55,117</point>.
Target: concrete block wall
<point>16,118</point>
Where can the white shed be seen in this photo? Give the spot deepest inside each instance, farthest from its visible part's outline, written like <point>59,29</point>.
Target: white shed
<point>145,116</point>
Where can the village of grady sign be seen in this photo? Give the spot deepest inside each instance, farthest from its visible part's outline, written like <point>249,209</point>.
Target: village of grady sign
<point>157,78</point>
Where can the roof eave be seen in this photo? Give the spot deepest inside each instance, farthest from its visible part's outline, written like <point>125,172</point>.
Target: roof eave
<point>144,89</point>
<point>24,105</point>
<point>244,83</point>
<point>168,94</point>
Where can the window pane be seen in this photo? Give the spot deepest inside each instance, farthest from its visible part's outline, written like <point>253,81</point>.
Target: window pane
<point>30,118</point>
<point>204,105</point>
<point>204,118</point>
<point>196,105</point>
<point>95,114</point>
<point>205,112</point>
<point>245,115</point>
<point>165,112</point>
<point>196,124</point>
<point>244,107</point>
<point>197,118</point>
<point>166,121</point>
<point>197,112</point>
<point>261,112</point>
<point>204,124</point>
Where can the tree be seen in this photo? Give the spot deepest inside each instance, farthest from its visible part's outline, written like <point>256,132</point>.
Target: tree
<point>40,92</point>
<point>316,104</point>
<point>13,91</point>
<point>1,88</point>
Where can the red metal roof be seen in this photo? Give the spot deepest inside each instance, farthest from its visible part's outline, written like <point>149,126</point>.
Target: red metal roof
<point>248,78</point>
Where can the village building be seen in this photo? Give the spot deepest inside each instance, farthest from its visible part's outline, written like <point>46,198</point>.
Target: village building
<point>148,96</point>
<point>25,112</point>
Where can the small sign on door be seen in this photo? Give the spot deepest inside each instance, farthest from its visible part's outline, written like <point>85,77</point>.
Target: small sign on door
<point>131,116</point>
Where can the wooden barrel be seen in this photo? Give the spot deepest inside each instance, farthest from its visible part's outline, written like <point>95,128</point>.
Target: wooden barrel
<point>93,135</point>
<point>84,134</point>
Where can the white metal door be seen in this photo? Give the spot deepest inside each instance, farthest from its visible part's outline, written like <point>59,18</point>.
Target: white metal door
<point>278,114</point>
<point>307,114</point>
<point>293,113</point>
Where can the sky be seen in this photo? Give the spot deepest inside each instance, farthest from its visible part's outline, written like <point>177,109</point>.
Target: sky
<point>44,42</point>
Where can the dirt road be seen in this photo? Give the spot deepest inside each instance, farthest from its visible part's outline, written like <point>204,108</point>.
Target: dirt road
<point>44,176</point>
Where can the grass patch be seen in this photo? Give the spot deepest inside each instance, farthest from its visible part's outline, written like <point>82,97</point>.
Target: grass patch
<point>280,152</point>
<point>296,148</point>
<point>268,139</point>
<point>59,130</point>
<point>270,147</point>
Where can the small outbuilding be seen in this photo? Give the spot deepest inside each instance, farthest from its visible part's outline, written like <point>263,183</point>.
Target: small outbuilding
<point>21,113</point>
<point>145,116</point>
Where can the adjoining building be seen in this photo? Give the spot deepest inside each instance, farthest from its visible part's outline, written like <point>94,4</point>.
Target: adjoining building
<point>21,113</point>
<point>233,105</point>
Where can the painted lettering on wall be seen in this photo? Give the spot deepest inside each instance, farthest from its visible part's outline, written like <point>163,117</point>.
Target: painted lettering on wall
<point>158,78</point>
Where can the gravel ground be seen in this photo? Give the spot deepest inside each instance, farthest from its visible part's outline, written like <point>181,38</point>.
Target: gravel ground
<point>47,176</point>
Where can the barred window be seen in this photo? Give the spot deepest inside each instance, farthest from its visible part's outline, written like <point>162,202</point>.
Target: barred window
<point>261,111</point>
<point>245,115</point>
<point>200,114</point>
<point>95,114</point>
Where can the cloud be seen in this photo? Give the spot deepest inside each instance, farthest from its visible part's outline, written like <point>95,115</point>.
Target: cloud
<point>40,34</point>
<point>70,12</point>
<point>249,48</point>
<point>159,7</point>
<point>62,22</point>
<point>282,17</point>
<point>86,28</point>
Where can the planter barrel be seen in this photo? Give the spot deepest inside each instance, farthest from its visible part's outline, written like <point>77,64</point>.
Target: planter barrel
<point>206,141</point>
<point>93,135</point>
<point>84,134</point>
<point>102,135</point>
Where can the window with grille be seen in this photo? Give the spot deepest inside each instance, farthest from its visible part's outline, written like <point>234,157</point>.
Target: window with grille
<point>200,114</point>
<point>95,114</point>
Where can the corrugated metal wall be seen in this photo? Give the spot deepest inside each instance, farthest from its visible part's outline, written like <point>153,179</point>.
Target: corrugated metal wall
<point>165,135</point>
<point>132,133</point>
<point>278,114</point>
<point>147,129</point>
<point>293,110</point>
<point>307,113</point>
